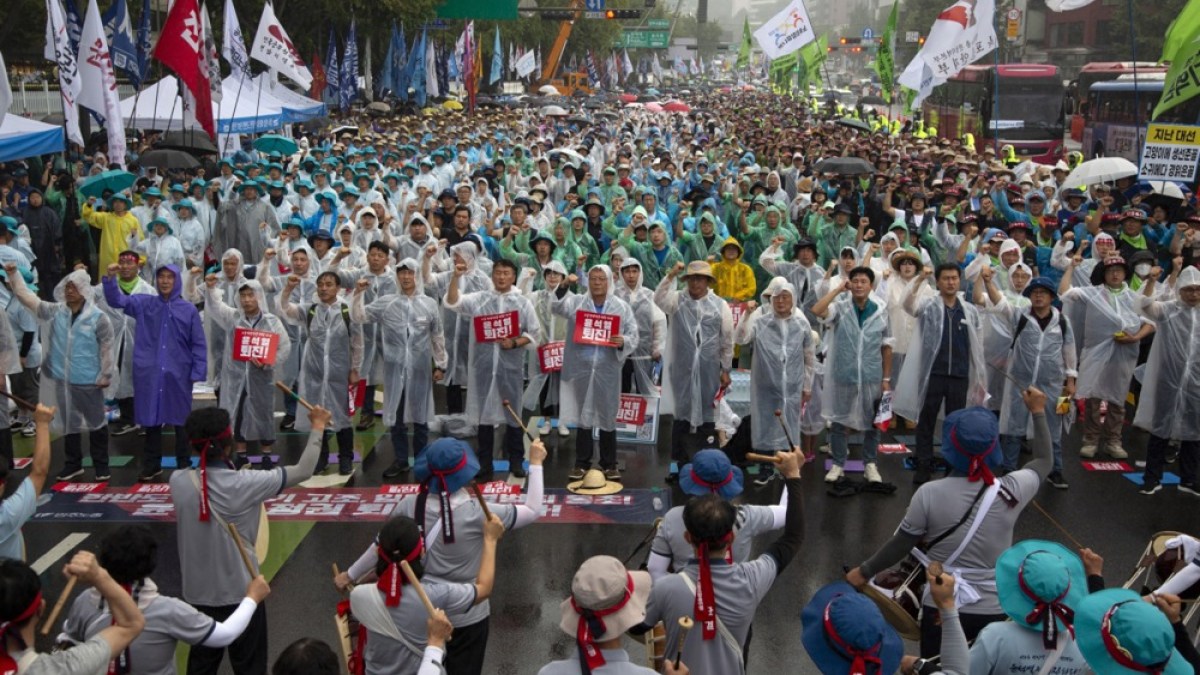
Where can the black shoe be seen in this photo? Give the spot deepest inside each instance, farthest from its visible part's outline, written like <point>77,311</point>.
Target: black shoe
<point>517,470</point>
<point>396,470</point>
<point>613,475</point>
<point>322,464</point>
<point>148,475</point>
<point>102,476</point>
<point>16,425</point>
<point>345,467</point>
<point>266,463</point>
<point>68,474</point>
<point>120,428</point>
<point>486,473</point>
<point>577,473</point>
<point>240,460</point>
<point>673,477</point>
<point>1056,479</point>
<point>923,474</point>
<point>1150,488</point>
<point>288,423</point>
<point>365,421</point>
<point>1189,489</point>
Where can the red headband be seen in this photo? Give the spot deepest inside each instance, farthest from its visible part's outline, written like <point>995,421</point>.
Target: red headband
<point>714,487</point>
<point>443,497</point>
<point>1045,612</point>
<point>207,443</point>
<point>859,657</point>
<point>1119,653</point>
<point>7,663</point>
<point>705,608</point>
<point>392,577</point>
<point>977,469</point>
<point>591,625</point>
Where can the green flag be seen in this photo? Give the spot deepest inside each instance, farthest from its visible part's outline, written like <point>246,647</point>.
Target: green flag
<point>1181,82</point>
<point>743,58</point>
<point>1181,31</point>
<point>885,66</point>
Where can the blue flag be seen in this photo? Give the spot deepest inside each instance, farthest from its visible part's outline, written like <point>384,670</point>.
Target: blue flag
<point>497,60</point>
<point>416,69</point>
<point>143,39</point>
<point>440,69</point>
<point>593,73</point>
<point>398,61</point>
<point>332,79</point>
<point>74,24</point>
<point>121,47</point>
<point>387,76</point>
<point>349,74</point>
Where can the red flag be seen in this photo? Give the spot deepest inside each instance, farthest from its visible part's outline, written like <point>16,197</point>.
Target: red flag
<point>180,47</point>
<point>319,81</point>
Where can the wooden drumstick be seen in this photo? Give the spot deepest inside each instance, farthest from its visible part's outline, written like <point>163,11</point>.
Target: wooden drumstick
<point>337,572</point>
<point>935,568</point>
<point>517,418</point>
<point>487,513</point>
<point>21,403</point>
<point>237,542</point>
<point>288,390</point>
<point>787,434</point>
<point>771,459</point>
<point>685,624</point>
<point>416,584</point>
<point>59,604</point>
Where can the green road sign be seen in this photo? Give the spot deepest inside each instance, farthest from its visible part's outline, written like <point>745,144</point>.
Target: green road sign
<point>643,39</point>
<point>658,24</point>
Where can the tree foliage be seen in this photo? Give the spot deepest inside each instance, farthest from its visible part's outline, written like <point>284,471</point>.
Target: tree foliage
<point>1151,20</point>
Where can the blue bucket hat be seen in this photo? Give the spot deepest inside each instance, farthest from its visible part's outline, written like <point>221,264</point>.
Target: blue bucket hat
<point>295,221</point>
<point>1119,633</point>
<point>163,222</point>
<point>841,626</point>
<point>1042,283</point>
<point>118,197</point>
<point>711,472</point>
<point>251,184</point>
<point>26,275</point>
<point>184,204</point>
<point>152,192</point>
<point>449,462</point>
<point>10,224</point>
<point>1041,583</point>
<point>971,443</point>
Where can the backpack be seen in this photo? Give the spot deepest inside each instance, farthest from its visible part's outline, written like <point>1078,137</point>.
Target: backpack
<point>312,312</point>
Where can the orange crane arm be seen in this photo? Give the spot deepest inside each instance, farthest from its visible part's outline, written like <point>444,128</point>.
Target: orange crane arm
<point>560,44</point>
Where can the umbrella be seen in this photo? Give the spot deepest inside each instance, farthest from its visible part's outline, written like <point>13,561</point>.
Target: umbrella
<point>676,106</point>
<point>593,105</point>
<point>579,120</point>
<point>549,90</point>
<point>275,143</point>
<point>628,98</point>
<point>552,111</point>
<point>846,166</point>
<point>648,97</point>
<point>634,105</point>
<point>654,107</point>
<point>651,91</point>
<point>189,140</point>
<point>114,180</point>
<point>346,129</point>
<point>1100,170</point>
<point>452,105</point>
<point>575,156</point>
<point>871,100</point>
<point>316,123</point>
<point>379,106</point>
<point>1166,194</point>
<point>855,124</point>
<point>167,159</point>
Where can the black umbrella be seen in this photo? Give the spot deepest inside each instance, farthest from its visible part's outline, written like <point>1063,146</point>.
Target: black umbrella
<point>579,120</point>
<point>168,160</point>
<point>188,140</point>
<point>871,100</point>
<point>316,123</point>
<point>593,105</point>
<point>855,124</point>
<point>846,166</point>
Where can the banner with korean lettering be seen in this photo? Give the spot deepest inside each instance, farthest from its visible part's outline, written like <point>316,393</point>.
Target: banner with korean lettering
<point>785,32</point>
<point>496,327</point>
<point>738,310</point>
<point>550,356</point>
<point>632,410</point>
<point>258,345</point>
<point>1171,152</point>
<point>596,329</point>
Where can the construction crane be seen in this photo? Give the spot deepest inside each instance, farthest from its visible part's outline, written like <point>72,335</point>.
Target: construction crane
<point>569,83</point>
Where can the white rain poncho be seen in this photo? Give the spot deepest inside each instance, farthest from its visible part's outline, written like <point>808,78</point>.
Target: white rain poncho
<point>409,329</point>
<point>699,347</point>
<point>305,292</point>
<point>553,329</point>
<point>651,332</point>
<point>382,285</point>
<point>782,370</point>
<point>853,381</point>
<point>998,335</point>
<point>160,251</point>
<point>124,327</point>
<point>922,350</point>
<point>1060,257</point>
<point>240,378</point>
<point>78,356</point>
<point>591,376</point>
<point>458,327</point>
<point>494,375</point>
<point>332,348</point>
<point>1170,400</point>
<point>805,280</point>
<point>228,289</point>
<point>1037,358</point>
<point>1105,366</point>
<point>902,323</point>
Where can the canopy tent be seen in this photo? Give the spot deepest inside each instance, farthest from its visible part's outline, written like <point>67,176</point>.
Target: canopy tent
<point>296,107</point>
<point>158,107</point>
<point>21,138</point>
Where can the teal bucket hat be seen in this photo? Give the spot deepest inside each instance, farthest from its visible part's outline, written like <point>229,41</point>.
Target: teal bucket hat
<point>1119,633</point>
<point>1041,583</point>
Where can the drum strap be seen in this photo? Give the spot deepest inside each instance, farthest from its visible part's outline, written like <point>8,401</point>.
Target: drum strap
<point>1053,657</point>
<point>967,514</point>
<point>730,641</point>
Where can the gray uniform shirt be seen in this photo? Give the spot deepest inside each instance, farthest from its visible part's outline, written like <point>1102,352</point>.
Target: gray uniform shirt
<point>616,662</point>
<point>669,541</point>
<point>383,655</point>
<point>89,658</point>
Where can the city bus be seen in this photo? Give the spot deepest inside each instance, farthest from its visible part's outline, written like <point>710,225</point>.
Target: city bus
<point>1118,109</point>
<point>1019,104</point>
<point>1092,73</point>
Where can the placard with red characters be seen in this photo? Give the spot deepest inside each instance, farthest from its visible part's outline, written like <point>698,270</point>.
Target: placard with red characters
<point>596,329</point>
<point>251,344</point>
<point>738,310</point>
<point>550,356</point>
<point>496,327</point>
<point>632,410</point>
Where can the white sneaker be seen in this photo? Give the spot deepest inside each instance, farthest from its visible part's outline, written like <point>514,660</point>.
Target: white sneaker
<point>544,426</point>
<point>872,473</point>
<point>1087,451</point>
<point>835,474</point>
<point>825,449</point>
<point>563,429</point>
<point>1115,451</point>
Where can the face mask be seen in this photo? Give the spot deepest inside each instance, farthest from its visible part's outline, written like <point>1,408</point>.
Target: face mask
<point>1142,269</point>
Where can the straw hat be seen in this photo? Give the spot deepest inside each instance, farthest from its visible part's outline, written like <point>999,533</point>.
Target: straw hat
<point>594,483</point>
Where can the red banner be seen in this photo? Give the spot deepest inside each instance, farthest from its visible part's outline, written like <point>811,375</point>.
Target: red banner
<point>632,410</point>
<point>550,356</point>
<point>738,309</point>
<point>596,329</point>
<point>496,327</point>
<point>255,344</point>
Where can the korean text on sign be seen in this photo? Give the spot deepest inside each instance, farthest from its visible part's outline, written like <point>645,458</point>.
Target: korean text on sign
<point>596,329</point>
<point>1171,152</point>
<point>496,327</point>
<point>255,344</point>
<point>632,410</point>
<point>550,356</point>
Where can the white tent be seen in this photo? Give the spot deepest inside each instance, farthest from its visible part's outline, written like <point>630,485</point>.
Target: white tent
<point>21,138</point>
<point>296,106</point>
<point>159,107</point>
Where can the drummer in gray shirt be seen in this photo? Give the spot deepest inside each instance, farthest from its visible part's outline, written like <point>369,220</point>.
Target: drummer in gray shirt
<point>206,500</point>
<point>971,445</point>
<point>131,553</point>
<point>710,472</point>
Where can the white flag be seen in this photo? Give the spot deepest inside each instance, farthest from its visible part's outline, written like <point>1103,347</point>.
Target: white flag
<point>58,50</point>
<point>209,52</point>
<point>274,48</point>
<point>99,83</point>
<point>431,81</point>
<point>626,63</point>
<point>1067,5</point>
<point>6,95</point>
<point>962,33</point>
<point>786,32</point>
<point>657,68</point>
<point>233,45</point>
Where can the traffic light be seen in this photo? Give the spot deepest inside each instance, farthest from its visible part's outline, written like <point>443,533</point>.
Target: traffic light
<point>921,40</point>
<point>851,40</point>
<point>619,14</point>
<point>558,14</point>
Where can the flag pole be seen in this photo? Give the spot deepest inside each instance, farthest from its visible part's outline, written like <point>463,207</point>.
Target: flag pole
<point>178,97</point>
<point>995,92</point>
<point>236,98</point>
<point>1137,106</point>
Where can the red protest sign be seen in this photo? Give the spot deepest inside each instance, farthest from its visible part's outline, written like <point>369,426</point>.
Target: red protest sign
<point>496,327</point>
<point>355,395</point>
<point>255,344</point>
<point>596,329</point>
<point>738,310</point>
<point>632,410</point>
<point>550,356</point>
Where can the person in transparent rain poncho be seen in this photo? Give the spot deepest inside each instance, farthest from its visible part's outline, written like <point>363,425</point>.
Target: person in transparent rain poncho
<point>229,279</point>
<point>457,326</point>
<point>638,373</point>
<point>1170,401</point>
<point>160,247</point>
<point>129,282</point>
<point>407,325</point>
<point>79,366</point>
<point>997,329</point>
<point>273,278</point>
<point>381,281</point>
<point>590,388</point>
<point>542,393</point>
<point>248,384</point>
